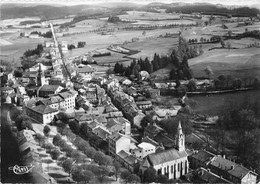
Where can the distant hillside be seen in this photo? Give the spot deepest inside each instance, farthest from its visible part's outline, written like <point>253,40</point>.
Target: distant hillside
<point>206,8</point>
<point>9,11</point>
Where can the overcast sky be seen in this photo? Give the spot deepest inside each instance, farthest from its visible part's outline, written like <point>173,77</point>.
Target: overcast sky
<point>75,2</point>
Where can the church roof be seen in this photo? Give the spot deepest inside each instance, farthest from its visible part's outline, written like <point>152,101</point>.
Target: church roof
<point>166,156</point>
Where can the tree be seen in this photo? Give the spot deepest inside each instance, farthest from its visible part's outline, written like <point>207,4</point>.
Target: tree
<point>229,33</point>
<point>117,167</point>
<point>99,157</point>
<point>87,175</point>
<point>102,172</point>
<point>15,113</point>
<point>192,85</point>
<point>208,71</point>
<point>56,140</point>
<point>148,119</point>
<point>124,175</point>
<point>162,179</point>
<point>81,44</point>
<point>18,73</point>
<point>55,154</point>
<point>237,83</point>
<point>256,83</point>
<point>150,175</point>
<point>222,80</point>
<point>40,138</point>
<point>71,46</point>
<point>133,178</point>
<point>26,123</point>
<point>90,152</point>
<point>228,45</point>
<point>74,126</point>
<point>76,155</point>
<point>46,130</point>
<point>67,165</point>
<point>222,42</point>
<point>77,174</point>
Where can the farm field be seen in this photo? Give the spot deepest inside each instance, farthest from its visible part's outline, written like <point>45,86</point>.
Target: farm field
<point>164,22</point>
<point>239,63</point>
<point>17,21</point>
<point>142,15</point>
<point>149,47</point>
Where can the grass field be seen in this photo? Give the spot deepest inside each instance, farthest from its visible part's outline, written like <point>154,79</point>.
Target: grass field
<point>239,63</point>
<point>141,15</point>
<point>214,104</point>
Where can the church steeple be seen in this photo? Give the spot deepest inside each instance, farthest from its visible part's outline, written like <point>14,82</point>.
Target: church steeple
<point>180,139</point>
<point>40,77</point>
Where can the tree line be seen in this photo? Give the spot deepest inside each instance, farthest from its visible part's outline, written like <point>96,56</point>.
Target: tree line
<point>178,58</point>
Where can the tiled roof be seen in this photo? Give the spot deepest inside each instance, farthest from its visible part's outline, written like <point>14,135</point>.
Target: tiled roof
<point>131,160</point>
<point>203,156</point>
<point>209,177</point>
<point>123,154</point>
<point>232,168</point>
<point>43,109</point>
<point>143,103</point>
<point>151,141</point>
<point>92,125</point>
<point>116,136</point>
<point>65,94</point>
<point>101,133</point>
<point>153,128</point>
<point>165,140</point>
<point>111,123</point>
<point>166,156</point>
<point>49,88</point>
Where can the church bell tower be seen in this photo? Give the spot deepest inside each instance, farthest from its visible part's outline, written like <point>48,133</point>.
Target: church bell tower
<point>180,139</point>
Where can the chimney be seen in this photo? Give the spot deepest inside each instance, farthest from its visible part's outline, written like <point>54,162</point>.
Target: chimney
<point>232,167</point>
<point>208,170</point>
<point>224,156</point>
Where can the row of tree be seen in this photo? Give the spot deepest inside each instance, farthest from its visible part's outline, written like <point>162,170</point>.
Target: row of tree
<point>204,40</point>
<point>48,34</point>
<point>178,58</point>
<point>37,51</point>
<point>80,45</point>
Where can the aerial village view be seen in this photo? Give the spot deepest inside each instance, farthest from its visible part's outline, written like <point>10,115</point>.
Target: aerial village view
<point>130,91</point>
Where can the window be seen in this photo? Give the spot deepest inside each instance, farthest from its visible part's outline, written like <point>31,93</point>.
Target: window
<point>165,170</point>
<point>178,166</point>
<point>172,169</point>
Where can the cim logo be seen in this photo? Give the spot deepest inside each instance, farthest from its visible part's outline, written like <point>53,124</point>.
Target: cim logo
<point>21,169</point>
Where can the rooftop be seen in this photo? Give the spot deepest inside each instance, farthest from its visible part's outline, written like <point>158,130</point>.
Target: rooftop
<point>44,109</point>
<point>203,156</point>
<point>166,156</point>
<point>232,168</point>
<point>49,87</point>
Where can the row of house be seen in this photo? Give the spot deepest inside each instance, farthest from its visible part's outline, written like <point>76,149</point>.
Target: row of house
<point>123,101</point>
<point>210,167</point>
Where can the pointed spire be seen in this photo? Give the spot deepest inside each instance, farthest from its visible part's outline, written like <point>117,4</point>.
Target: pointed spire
<point>180,139</point>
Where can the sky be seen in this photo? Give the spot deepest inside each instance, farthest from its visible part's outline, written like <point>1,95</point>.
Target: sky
<point>75,2</point>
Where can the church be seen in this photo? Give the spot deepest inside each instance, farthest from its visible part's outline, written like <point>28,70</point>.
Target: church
<point>172,162</point>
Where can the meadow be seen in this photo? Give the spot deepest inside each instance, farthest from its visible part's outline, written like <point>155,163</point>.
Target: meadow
<point>142,15</point>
